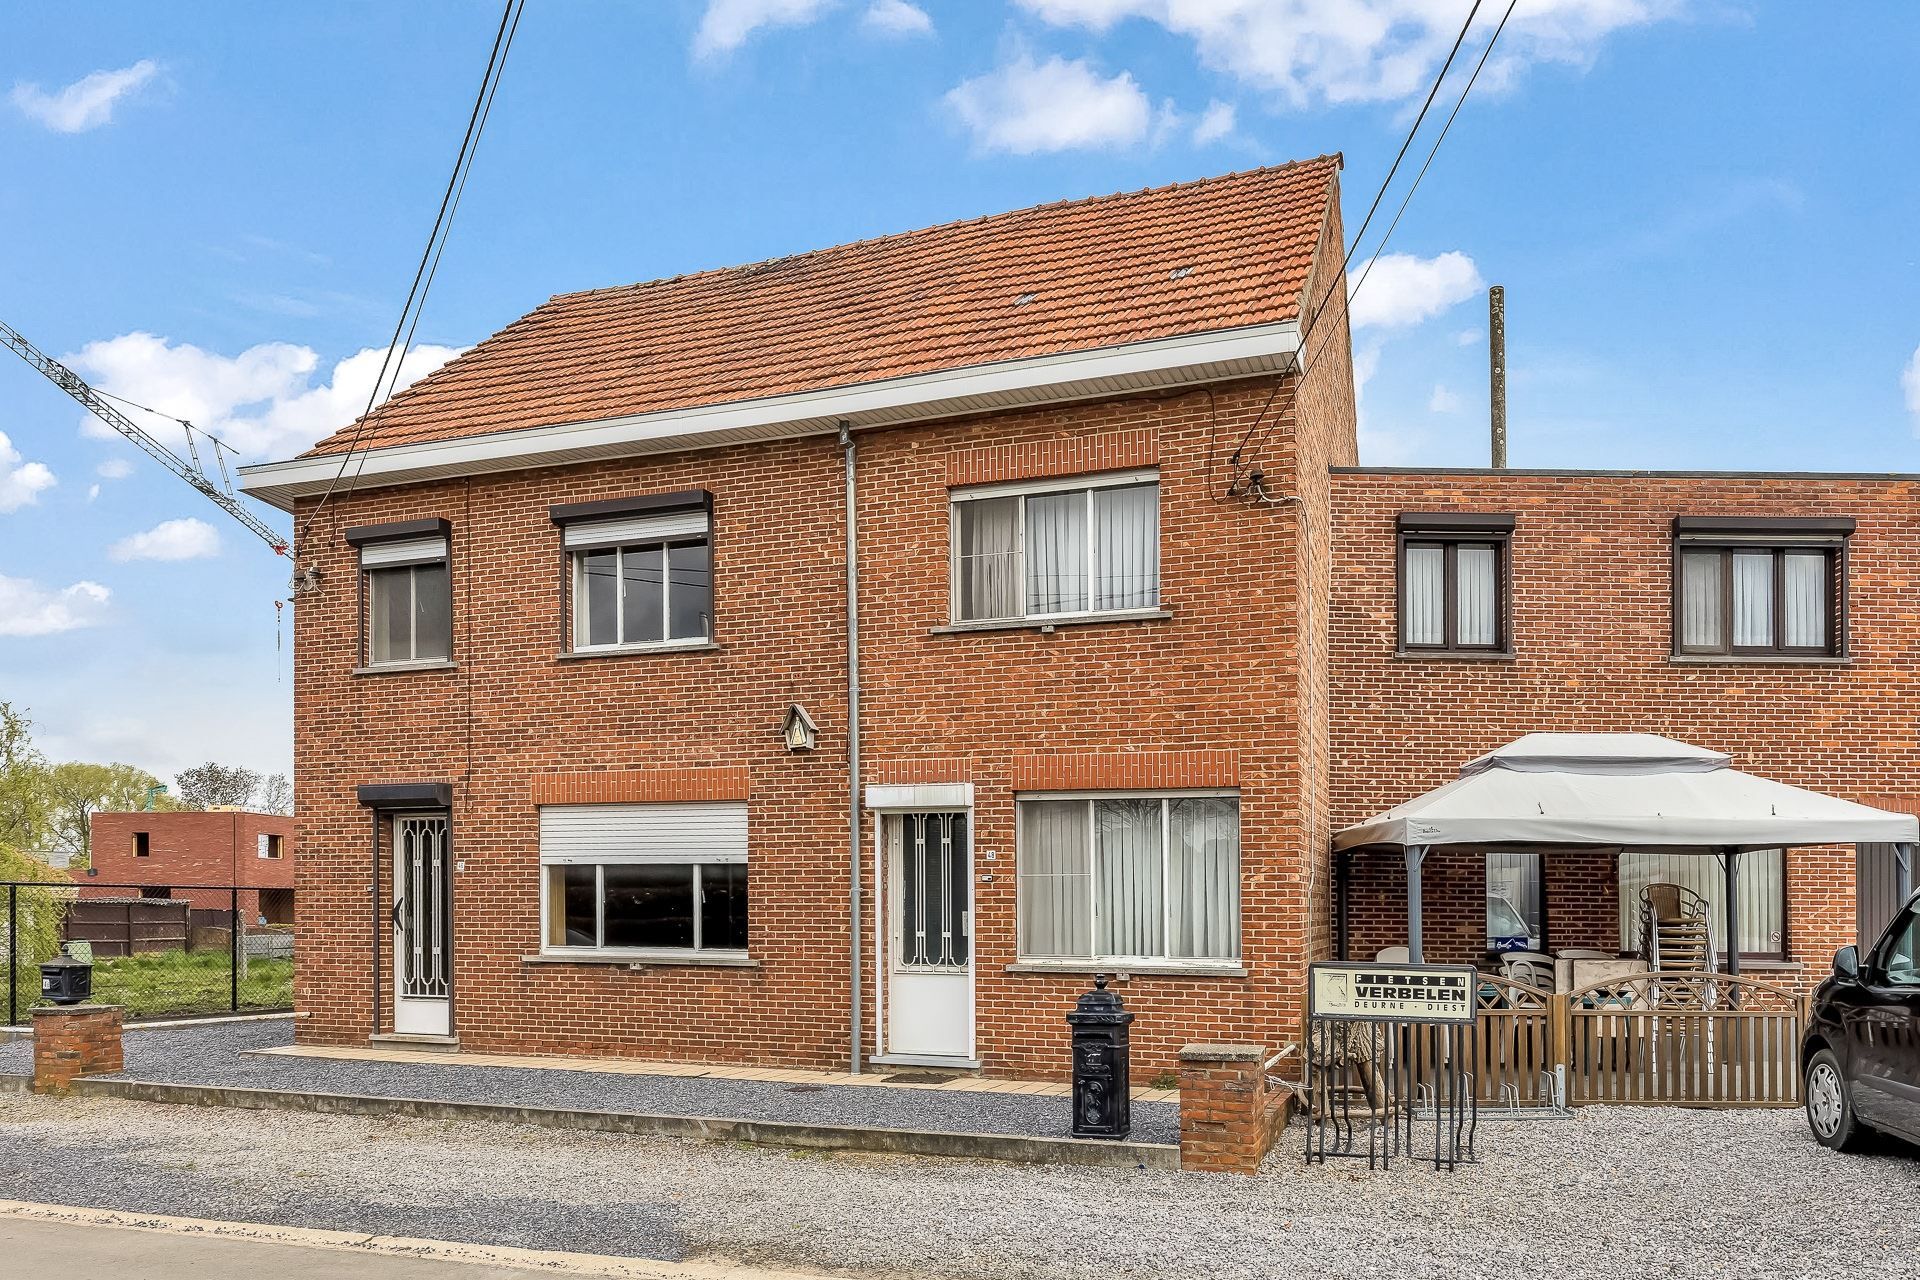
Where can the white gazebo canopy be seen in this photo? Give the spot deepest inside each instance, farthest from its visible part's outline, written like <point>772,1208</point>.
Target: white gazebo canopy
<point>1633,789</point>
<point>1622,790</point>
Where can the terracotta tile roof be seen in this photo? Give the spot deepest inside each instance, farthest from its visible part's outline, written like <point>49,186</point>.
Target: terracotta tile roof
<point>1193,257</point>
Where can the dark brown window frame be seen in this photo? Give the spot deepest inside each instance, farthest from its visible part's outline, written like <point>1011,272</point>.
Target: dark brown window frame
<point>1779,537</point>
<point>396,531</point>
<point>1451,530</point>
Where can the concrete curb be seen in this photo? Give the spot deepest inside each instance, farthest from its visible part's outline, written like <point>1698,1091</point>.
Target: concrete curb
<point>559,1263</point>
<point>1017,1148</point>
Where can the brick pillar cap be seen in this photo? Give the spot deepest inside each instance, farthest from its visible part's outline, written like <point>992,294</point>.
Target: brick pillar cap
<point>1220,1053</point>
<point>56,1010</point>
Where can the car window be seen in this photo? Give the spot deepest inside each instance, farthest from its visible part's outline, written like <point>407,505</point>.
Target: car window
<point>1897,957</point>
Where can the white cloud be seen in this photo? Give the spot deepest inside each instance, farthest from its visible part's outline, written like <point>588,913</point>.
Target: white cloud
<point>1910,383</point>
<point>1216,122</point>
<point>1443,400</point>
<point>1468,338</point>
<point>263,402</point>
<point>1359,50</point>
<point>93,491</point>
<point>727,24</point>
<point>114,469</point>
<point>29,609</point>
<point>897,18</point>
<point>21,482</point>
<point>185,539</point>
<point>1404,290</point>
<point>88,102</point>
<point>1026,108</point>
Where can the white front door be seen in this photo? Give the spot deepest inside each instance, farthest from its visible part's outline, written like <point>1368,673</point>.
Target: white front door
<point>422,936</point>
<point>929,936</point>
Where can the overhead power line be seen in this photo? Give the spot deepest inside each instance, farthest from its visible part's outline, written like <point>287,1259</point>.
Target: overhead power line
<point>409,320</point>
<point>1311,327</point>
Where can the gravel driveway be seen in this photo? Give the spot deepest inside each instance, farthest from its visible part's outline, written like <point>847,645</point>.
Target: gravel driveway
<point>1612,1192</point>
<point>216,1053</point>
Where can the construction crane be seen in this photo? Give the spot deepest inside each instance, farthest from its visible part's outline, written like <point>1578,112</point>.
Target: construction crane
<point>190,469</point>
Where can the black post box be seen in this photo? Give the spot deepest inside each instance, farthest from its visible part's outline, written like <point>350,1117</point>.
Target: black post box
<point>1102,1093</point>
<point>64,980</point>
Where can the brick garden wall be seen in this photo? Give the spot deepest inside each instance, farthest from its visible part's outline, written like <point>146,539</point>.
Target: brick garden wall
<point>1591,599</point>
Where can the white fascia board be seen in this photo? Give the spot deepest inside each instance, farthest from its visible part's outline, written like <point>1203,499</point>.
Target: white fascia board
<point>932,797</point>
<point>1078,375</point>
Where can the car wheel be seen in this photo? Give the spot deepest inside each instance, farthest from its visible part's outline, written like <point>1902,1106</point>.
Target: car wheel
<point>1830,1104</point>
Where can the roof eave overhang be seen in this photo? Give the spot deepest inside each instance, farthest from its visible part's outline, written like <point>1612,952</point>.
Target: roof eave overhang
<point>1160,364</point>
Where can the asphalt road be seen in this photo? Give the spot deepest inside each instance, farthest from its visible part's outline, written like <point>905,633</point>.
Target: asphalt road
<point>86,1252</point>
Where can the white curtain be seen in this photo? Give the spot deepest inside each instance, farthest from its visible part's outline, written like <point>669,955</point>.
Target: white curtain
<point>1753,598</point>
<point>1805,605</point>
<point>1057,553</point>
<point>1203,878</point>
<point>1055,879</point>
<point>1762,905</point>
<point>988,583</point>
<point>1701,626</point>
<point>1131,914</point>
<point>1126,535</point>
<point>1423,595</point>
<point>1474,598</point>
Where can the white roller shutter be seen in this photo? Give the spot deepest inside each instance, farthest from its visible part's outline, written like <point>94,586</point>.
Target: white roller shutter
<point>575,833</point>
<point>663,527</point>
<point>403,551</point>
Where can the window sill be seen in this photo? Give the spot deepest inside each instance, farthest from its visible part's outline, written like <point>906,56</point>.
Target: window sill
<point>1451,655</point>
<point>648,959</point>
<point>1048,624</point>
<point>1121,972</point>
<point>402,668</point>
<point>1756,660</point>
<point>637,650</point>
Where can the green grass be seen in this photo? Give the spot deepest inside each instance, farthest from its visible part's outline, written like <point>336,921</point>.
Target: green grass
<point>159,983</point>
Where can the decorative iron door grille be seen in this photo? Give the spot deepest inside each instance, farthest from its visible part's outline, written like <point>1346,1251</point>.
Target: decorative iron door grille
<point>935,932</point>
<point>421,942</point>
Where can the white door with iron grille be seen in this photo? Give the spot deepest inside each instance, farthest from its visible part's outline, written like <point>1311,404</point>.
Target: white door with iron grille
<point>422,927</point>
<point>929,936</point>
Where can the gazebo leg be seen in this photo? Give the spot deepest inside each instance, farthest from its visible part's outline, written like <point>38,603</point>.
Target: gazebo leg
<point>1731,857</point>
<point>1416,854</point>
<point>1902,873</point>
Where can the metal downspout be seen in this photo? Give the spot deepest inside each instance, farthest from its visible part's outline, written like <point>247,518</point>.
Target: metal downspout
<point>853,755</point>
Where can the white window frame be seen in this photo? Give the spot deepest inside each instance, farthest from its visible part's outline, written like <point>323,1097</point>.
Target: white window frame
<point>1165,797</point>
<point>664,547</point>
<point>1024,489</point>
<point>598,950</point>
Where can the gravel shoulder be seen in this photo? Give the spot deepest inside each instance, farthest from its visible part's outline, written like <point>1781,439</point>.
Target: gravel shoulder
<point>216,1054</point>
<point>1610,1192</point>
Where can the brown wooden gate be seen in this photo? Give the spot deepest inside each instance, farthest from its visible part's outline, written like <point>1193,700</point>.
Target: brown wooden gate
<point>1682,1039</point>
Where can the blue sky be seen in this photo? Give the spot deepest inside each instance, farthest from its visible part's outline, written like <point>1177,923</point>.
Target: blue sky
<point>1703,213</point>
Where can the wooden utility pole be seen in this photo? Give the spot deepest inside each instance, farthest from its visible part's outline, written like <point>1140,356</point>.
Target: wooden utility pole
<point>1497,362</point>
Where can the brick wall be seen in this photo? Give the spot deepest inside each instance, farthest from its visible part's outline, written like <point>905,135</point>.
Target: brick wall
<point>1591,601</point>
<point>190,847</point>
<point>1210,692</point>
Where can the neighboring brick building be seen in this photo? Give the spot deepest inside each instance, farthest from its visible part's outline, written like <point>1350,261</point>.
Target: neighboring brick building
<point>573,662</point>
<point>172,853</point>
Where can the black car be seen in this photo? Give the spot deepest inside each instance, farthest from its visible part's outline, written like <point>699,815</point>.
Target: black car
<point>1861,1057</point>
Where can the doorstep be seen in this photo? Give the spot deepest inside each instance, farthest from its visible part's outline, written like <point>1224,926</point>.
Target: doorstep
<point>414,1040</point>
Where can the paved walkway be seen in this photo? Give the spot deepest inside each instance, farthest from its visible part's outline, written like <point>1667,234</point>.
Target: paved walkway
<point>261,1055</point>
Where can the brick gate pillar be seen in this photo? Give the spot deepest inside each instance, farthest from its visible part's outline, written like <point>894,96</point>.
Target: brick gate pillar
<point>76,1040</point>
<point>1229,1118</point>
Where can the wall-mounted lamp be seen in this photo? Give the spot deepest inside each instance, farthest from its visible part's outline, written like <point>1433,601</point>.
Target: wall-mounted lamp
<point>800,732</point>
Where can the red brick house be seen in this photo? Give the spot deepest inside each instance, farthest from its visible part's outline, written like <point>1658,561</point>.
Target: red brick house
<point>845,656</point>
<point>167,854</point>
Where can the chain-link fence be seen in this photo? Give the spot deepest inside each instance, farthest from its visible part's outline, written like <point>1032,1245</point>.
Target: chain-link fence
<point>158,951</point>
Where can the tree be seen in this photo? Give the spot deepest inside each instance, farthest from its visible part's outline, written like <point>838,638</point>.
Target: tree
<point>77,790</point>
<point>276,795</point>
<point>23,781</point>
<point>210,784</point>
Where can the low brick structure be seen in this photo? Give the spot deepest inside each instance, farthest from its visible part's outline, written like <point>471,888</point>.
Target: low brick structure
<point>1230,1116</point>
<point>70,1041</point>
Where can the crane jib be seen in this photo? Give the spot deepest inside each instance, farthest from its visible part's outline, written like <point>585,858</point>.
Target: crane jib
<point>77,387</point>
